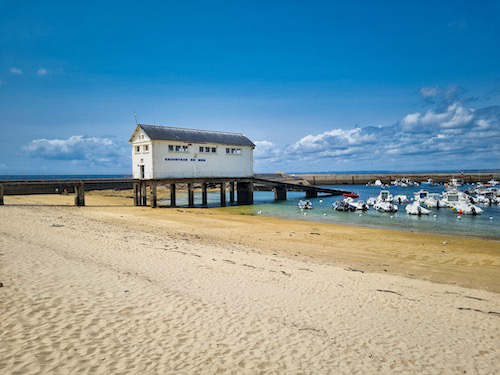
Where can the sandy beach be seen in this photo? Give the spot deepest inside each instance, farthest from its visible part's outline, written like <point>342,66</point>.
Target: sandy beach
<point>111,288</point>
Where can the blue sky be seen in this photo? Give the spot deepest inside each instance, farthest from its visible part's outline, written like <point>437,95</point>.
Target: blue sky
<point>319,86</point>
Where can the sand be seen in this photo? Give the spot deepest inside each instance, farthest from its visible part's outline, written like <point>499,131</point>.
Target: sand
<point>114,289</point>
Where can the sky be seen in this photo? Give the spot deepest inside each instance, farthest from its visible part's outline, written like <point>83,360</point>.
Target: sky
<point>317,85</point>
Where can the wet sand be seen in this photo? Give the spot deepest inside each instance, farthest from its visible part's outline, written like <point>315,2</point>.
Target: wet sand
<point>111,288</point>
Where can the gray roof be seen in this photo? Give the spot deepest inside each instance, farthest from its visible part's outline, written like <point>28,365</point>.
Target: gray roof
<point>168,133</point>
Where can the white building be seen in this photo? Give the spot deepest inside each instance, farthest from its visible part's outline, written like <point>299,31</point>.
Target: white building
<point>168,152</point>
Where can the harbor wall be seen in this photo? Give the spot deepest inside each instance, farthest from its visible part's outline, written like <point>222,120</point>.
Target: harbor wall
<point>360,179</point>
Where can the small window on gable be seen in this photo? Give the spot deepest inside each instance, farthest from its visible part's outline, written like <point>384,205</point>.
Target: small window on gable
<point>146,148</point>
<point>214,149</point>
<point>171,148</point>
<point>137,148</point>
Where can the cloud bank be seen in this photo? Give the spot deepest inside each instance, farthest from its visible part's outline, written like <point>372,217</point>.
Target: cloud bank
<point>455,137</point>
<point>78,148</point>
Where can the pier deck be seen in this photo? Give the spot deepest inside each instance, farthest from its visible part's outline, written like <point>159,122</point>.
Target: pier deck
<point>240,189</point>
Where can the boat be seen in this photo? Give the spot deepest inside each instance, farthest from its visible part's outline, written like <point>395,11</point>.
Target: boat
<point>385,196</point>
<point>343,206</point>
<point>385,206</point>
<point>357,205</point>
<point>464,208</point>
<point>420,195</point>
<point>428,182</point>
<point>434,200</point>
<point>305,205</point>
<point>400,198</point>
<point>415,209</point>
<point>371,201</point>
<point>493,182</point>
<point>351,195</point>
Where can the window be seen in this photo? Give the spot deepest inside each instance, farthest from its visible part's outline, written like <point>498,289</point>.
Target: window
<point>207,149</point>
<point>214,149</point>
<point>201,148</point>
<point>177,148</point>
<point>137,148</point>
<point>233,151</point>
<point>171,148</point>
<point>146,148</point>
<point>185,149</point>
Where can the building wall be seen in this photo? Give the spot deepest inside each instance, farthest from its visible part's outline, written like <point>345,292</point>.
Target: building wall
<point>142,157</point>
<point>160,162</point>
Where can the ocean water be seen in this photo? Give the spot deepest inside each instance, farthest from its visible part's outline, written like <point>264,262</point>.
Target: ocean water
<point>445,220</point>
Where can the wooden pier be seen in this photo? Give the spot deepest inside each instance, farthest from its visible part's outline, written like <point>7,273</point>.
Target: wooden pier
<point>241,190</point>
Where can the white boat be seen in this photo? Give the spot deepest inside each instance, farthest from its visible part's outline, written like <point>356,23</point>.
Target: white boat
<point>400,198</point>
<point>371,201</point>
<point>378,183</point>
<point>428,182</point>
<point>385,206</point>
<point>343,205</point>
<point>420,195</point>
<point>305,205</point>
<point>454,183</point>
<point>415,209</point>
<point>385,196</point>
<point>464,208</point>
<point>434,200</point>
<point>454,197</point>
<point>356,205</point>
<point>493,182</point>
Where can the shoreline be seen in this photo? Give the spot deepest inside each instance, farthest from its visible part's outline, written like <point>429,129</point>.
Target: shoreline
<point>463,260</point>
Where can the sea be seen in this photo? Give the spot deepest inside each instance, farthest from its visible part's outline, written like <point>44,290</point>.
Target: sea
<point>443,220</point>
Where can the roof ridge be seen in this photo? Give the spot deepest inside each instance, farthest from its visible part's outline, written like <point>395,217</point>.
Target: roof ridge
<point>198,130</point>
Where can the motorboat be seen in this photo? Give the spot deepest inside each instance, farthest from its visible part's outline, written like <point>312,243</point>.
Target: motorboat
<point>493,182</point>
<point>357,205</point>
<point>420,195</point>
<point>305,205</point>
<point>400,198</point>
<point>428,182</point>
<point>371,201</point>
<point>416,209</point>
<point>385,206</point>
<point>343,205</point>
<point>385,196</point>
<point>351,195</point>
<point>434,200</point>
<point>464,208</point>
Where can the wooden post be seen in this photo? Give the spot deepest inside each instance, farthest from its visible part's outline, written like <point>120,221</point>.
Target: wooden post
<point>136,194</point>
<point>172,195</point>
<point>223,194</point>
<point>311,193</point>
<point>280,193</point>
<point>190,195</point>
<point>1,194</point>
<point>231,192</point>
<point>153,194</point>
<point>245,192</point>
<point>80,195</point>
<point>204,195</point>
<point>144,193</point>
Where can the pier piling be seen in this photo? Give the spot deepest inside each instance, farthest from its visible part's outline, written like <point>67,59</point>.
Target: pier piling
<point>204,195</point>
<point>154,202</point>
<point>280,193</point>
<point>1,194</point>
<point>80,195</point>
<point>136,194</point>
<point>223,194</point>
<point>172,195</point>
<point>190,195</point>
<point>231,192</point>
<point>245,192</point>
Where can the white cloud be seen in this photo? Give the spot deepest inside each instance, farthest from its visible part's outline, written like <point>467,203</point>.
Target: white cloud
<point>16,71</point>
<point>95,150</point>
<point>42,72</point>
<point>435,136</point>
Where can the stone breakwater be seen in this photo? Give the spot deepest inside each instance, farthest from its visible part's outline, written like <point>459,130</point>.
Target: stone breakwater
<point>355,179</point>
